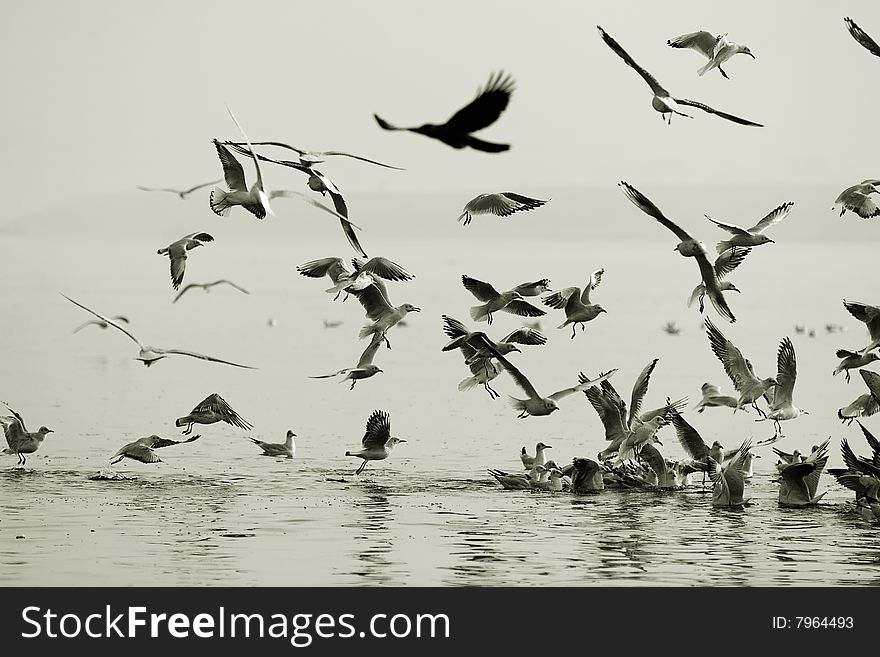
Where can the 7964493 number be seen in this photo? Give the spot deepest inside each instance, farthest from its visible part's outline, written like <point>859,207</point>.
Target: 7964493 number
<point>816,622</point>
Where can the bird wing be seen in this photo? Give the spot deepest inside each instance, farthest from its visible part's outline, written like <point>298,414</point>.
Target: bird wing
<point>655,459</point>
<point>106,319</point>
<point>290,193</point>
<point>862,204</point>
<point>873,443</point>
<point>186,287</point>
<point>369,353</point>
<point>300,151</point>
<point>646,206</point>
<point>333,267</point>
<point>374,299</point>
<point>702,41</point>
<point>166,442</point>
<point>193,354</point>
<point>177,257</point>
<point>795,475</point>
<point>859,35</point>
<point>523,309</point>
<point>264,200</point>
<point>485,108</point>
<point>690,439</point>
<point>561,298</point>
<point>647,77</point>
<point>387,269</point>
<point>786,373</point>
<point>214,403</point>
<point>595,280</point>
<point>502,204</point>
<point>237,287</point>
<point>583,385</point>
<point>385,125</point>
<point>526,336</point>
<point>729,260</point>
<point>13,425</point>
<point>735,364</point>
<point>233,172</point>
<point>713,290</point>
<point>775,216</point>
<point>711,110</point>
<point>870,315</point>
<point>872,380</point>
<point>378,430</point>
<point>482,291</point>
<point>186,192</point>
<point>198,237</point>
<point>640,388</point>
<point>730,228</point>
<point>454,328</point>
<point>608,412</point>
<point>479,339</point>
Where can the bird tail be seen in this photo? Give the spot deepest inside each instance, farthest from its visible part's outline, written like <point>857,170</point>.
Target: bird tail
<point>369,329</point>
<point>486,146</point>
<point>708,67</point>
<point>518,404</point>
<point>479,313</point>
<point>218,202</point>
<point>723,245</point>
<point>467,384</point>
<point>563,325</point>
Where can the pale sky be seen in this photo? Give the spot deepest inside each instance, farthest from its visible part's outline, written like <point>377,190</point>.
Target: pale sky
<point>102,96</point>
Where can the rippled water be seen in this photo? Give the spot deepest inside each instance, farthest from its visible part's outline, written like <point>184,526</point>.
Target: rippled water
<point>216,513</point>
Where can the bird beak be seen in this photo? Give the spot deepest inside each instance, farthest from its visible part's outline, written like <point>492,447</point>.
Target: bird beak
<point>756,456</point>
<point>548,446</point>
<point>658,442</point>
<point>401,440</point>
<point>417,310</point>
<point>51,430</point>
<point>771,241</point>
<point>379,369</point>
<point>751,55</point>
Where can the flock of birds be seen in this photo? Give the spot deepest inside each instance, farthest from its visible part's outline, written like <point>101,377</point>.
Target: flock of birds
<point>631,459</point>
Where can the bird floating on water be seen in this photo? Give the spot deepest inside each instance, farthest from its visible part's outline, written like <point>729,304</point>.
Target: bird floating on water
<point>207,287</point>
<point>149,355</point>
<point>21,441</point>
<point>176,252</point>
<point>800,481</point>
<point>663,102</point>
<point>287,448</point>
<point>502,204</point>
<point>378,442</point>
<point>210,410</point>
<point>539,458</point>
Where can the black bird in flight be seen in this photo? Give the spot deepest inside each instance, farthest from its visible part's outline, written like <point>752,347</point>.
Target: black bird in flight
<point>482,112</point>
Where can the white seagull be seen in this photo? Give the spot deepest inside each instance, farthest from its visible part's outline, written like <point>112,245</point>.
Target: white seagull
<point>779,397</point>
<point>864,405</point>
<point>21,441</point>
<point>287,448</point>
<point>578,309</point>
<point>858,199</point>
<point>378,441</point>
<point>800,480</point>
<point>870,316</point>
<point>149,355</point>
<point>211,409</point>
<point>207,287</point>
<point>663,102</point>
<point>176,252</point>
<point>142,449</point>
<point>510,301</point>
<point>702,42</point>
<point>723,265</point>
<point>739,369</point>
<point>364,369</point>
<point>753,236</point>
<point>501,204</point>
<point>721,52</point>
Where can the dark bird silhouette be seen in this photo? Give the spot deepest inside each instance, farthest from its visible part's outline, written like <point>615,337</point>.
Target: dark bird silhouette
<point>480,113</point>
<point>859,35</point>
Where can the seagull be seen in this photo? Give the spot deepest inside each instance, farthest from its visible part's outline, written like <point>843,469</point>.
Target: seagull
<point>851,360</point>
<point>663,102</point>
<point>378,441</point>
<point>480,113</point>
<point>859,35</point>
<point>578,309</point>
<point>721,52</point>
<point>149,355</point>
<point>586,477</point>
<point>729,480</point>
<point>516,480</point>
<point>857,199</point>
<point>538,459</point>
<point>712,398</point>
<point>800,480</point>
<point>671,328</point>
<point>309,158</point>
<point>207,287</point>
<point>100,323</point>
<point>644,434</point>
<point>332,323</point>
<point>703,42</point>
<point>862,474</point>
<point>688,247</point>
<point>779,396</point>
<point>654,459</point>
<point>502,204</point>
<point>21,442</point>
<point>694,445</point>
<point>374,299</point>
<point>739,369</point>
<point>865,405</point>
<point>554,481</point>
<point>182,193</point>
<point>535,404</point>
<point>365,274</point>
<point>334,269</point>
<point>176,252</point>
<point>317,182</point>
<point>255,200</point>
<point>870,316</point>
<point>142,449</point>
<point>364,369</point>
<point>533,289</point>
<point>494,301</point>
<point>753,236</point>
<point>868,510</point>
<point>724,264</point>
<point>287,448</point>
<point>210,410</point>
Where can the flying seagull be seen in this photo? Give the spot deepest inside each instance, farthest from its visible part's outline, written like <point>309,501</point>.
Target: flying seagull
<point>149,355</point>
<point>207,287</point>
<point>861,36</point>
<point>870,316</point>
<point>577,306</point>
<point>864,405</point>
<point>502,204</point>
<point>309,158</point>
<point>176,252</point>
<point>377,442</point>
<point>688,247</point>
<point>142,449</point>
<point>779,397</point>
<point>482,112</point>
<point>858,199</point>
<point>663,102</point>
<point>851,360</point>
<point>21,441</point>
<point>287,448</point>
<point>182,193</point>
<point>510,301</point>
<point>753,236</point>
<point>255,200</point>
<point>712,398</point>
<point>721,52</point>
<point>739,369</point>
<point>364,369</point>
<point>702,42</point>
<point>210,410</point>
<point>100,323</point>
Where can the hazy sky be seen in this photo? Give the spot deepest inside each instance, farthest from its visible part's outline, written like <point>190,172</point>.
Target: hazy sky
<point>102,96</point>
